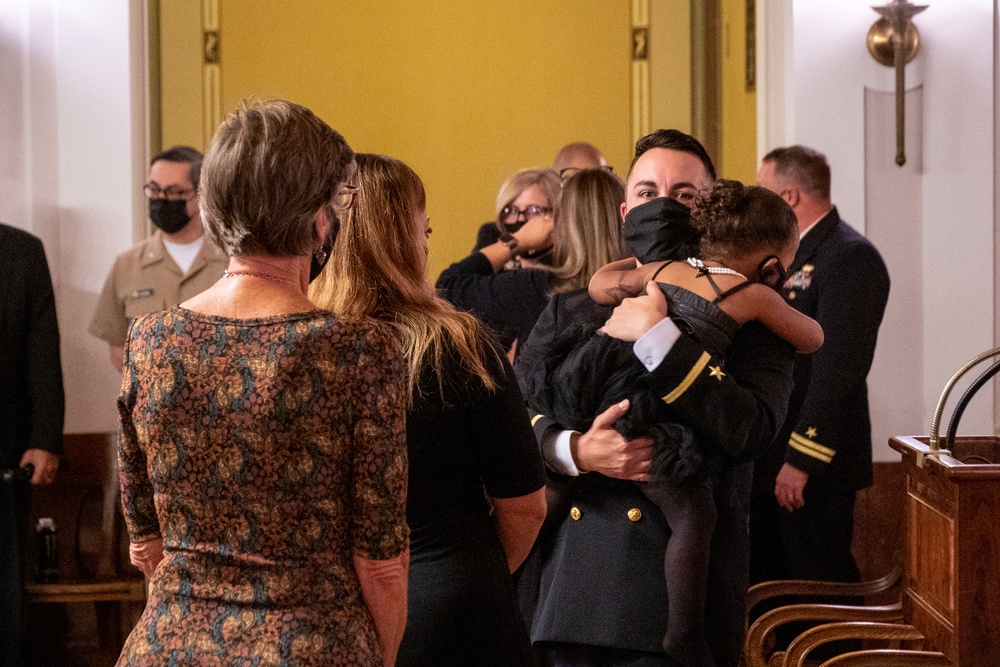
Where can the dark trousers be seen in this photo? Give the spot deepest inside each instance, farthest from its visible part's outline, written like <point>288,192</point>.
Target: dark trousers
<point>13,519</point>
<point>813,542</point>
<point>728,573</point>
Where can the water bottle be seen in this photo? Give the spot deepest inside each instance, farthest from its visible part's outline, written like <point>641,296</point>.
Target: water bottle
<point>48,564</point>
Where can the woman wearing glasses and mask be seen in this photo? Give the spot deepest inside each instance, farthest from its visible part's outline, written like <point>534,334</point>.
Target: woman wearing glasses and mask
<point>525,195</point>
<point>262,449</point>
<point>584,234</point>
<point>468,435</point>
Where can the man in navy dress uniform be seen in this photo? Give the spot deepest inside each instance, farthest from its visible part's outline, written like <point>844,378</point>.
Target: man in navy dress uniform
<point>595,583</point>
<point>804,487</point>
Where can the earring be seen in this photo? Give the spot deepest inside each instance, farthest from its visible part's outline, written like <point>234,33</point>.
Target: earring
<point>320,255</point>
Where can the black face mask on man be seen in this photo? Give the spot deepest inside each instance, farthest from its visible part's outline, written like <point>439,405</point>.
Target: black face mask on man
<point>169,215</point>
<point>322,256</point>
<point>660,230</point>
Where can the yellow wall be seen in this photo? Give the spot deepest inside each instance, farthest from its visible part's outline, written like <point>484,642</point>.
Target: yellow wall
<point>180,73</point>
<point>670,64</point>
<point>738,152</point>
<point>465,93</point>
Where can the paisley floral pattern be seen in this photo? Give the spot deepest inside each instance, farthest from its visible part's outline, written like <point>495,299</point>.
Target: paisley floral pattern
<point>267,453</point>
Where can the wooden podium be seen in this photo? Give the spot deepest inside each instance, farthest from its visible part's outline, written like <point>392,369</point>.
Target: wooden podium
<point>951,581</point>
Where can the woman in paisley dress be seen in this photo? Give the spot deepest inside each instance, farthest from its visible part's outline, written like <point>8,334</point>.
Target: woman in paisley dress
<point>262,441</point>
<point>476,485</point>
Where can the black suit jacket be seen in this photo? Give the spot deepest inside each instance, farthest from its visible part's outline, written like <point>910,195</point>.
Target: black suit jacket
<point>508,302</point>
<point>602,580</point>
<point>31,389</point>
<point>839,279</point>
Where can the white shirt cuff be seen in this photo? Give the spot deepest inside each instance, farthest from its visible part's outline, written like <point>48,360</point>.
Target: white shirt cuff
<point>654,345</point>
<point>558,455</point>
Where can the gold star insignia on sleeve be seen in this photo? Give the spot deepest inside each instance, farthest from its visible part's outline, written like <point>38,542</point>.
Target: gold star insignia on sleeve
<point>811,432</point>
<point>716,372</point>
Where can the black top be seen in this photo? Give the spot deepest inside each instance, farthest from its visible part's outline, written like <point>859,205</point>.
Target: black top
<point>508,302</point>
<point>488,234</point>
<point>465,443</point>
<point>31,389</point>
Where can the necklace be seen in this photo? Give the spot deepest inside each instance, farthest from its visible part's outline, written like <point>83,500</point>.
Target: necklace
<point>717,270</point>
<point>230,274</point>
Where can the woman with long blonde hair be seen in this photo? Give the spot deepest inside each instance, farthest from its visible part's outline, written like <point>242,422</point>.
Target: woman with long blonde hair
<point>468,435</point>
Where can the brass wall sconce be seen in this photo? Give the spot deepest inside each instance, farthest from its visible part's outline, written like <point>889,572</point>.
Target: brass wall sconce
<point>893,41</point>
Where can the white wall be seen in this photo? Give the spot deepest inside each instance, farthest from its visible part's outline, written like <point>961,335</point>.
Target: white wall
<point>933,220</point>
<point>67,165</point>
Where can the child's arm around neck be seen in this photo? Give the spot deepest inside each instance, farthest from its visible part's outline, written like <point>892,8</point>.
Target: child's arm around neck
<point>760,302</point>
<point>620,280</point>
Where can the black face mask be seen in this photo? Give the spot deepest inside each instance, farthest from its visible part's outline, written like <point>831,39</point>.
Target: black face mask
<point>509,227</point>
<point>659,230</point>
<point>322,256</point>
<point>771,273</point>
<point>170,216</point>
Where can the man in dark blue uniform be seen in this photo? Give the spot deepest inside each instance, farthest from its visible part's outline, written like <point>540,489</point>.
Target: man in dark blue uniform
<point>804,487</point>
<point>31,409</point>
<point>598,569</point>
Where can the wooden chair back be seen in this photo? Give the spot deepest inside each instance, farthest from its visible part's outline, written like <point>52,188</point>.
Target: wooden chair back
<point>92,543</point>
<point>888,658</point>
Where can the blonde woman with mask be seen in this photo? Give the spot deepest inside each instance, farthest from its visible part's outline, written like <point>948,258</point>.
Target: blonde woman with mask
<point>476,494</point>
<point>584,236</point>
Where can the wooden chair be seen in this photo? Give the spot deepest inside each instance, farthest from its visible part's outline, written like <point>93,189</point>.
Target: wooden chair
<point>889,658</point>
<point>768,590</point>
<point>759,645</point>
<point>91,541</point>
<point>894,636</point>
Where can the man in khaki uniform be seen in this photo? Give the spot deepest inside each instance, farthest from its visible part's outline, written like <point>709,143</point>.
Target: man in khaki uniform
<point>169,267</point>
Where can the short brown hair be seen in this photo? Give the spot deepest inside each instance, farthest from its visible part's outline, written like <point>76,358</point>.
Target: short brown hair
<point>805,167</point>
<point>673,140</point>
<point>183,155</point>
<point>271,166</point>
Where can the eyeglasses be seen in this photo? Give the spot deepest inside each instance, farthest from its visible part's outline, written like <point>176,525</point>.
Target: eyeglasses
<point>568,172</point>
<point>170,193</point>
<point>345,197</point>
<point>512,213</point>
